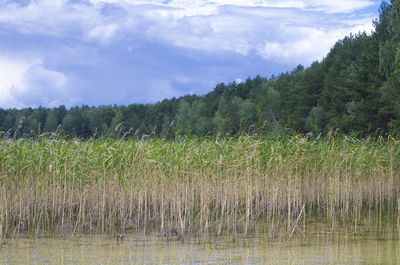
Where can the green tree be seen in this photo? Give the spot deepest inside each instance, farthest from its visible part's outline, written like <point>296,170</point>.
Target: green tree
<point>389,63</point>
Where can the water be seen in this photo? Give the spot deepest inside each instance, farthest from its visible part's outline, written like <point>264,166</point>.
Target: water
<point>320,244</point>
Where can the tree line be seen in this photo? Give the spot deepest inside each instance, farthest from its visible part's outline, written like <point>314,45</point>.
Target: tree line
<point>355,89</point>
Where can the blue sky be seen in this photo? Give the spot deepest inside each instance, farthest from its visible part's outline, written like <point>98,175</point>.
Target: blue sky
<point>93,52</point>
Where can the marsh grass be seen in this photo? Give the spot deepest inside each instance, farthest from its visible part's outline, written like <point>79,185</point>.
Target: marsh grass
<point>192,185</point>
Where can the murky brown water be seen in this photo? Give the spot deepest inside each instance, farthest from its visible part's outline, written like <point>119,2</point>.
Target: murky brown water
<point>364,245</point>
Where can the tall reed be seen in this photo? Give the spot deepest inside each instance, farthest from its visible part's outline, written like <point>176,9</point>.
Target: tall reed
<point>192,185</point>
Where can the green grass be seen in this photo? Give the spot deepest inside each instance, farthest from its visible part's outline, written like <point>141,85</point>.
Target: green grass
<point>192,185</point>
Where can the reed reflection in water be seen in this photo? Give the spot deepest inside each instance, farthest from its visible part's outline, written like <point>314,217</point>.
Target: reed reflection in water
<point>320,245</point>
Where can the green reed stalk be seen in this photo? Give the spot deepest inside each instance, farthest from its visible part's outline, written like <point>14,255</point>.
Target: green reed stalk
<point>193,185</point>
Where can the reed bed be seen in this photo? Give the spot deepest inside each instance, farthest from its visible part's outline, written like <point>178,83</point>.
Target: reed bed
<point>192,185</point>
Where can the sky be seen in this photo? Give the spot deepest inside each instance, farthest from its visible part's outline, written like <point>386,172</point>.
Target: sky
<point>101,52</point>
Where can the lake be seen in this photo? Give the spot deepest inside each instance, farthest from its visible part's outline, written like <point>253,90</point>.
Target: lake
<point>316,243</point>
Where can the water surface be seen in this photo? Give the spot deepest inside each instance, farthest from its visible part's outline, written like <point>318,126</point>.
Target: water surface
<point>320,244</point>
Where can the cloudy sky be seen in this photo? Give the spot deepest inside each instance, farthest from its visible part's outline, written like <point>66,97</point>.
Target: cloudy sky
<point>98,52</point>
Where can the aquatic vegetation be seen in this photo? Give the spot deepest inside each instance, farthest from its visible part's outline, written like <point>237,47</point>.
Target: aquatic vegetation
<point>193,185</point>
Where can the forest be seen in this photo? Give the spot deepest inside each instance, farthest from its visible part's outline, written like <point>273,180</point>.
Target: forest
<point>354,90</point>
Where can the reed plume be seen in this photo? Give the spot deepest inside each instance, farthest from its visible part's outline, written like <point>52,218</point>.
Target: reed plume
<point>192,185</point>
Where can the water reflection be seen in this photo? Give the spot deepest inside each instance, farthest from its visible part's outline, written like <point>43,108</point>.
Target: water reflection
<point>319,245</point>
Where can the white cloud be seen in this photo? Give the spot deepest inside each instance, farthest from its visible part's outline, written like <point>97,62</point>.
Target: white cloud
<point>206,7</point>
<point>310,45</point>
<point>28,83</point>
<point>338,6</point>
<point>306,50</point>
<point>58,19</point>
<point>236,25</point>
<point>274,33</point>
<point>88,33</point>
<point>233,25</point>
<point>103,33</point>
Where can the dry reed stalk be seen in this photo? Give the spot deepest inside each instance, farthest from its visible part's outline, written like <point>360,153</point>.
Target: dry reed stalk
<point>398,216</point>
<point>1,220</point>
<point>189,186</point>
